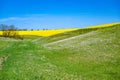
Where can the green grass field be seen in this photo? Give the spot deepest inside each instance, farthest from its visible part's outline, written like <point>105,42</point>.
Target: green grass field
<point>84,54</point>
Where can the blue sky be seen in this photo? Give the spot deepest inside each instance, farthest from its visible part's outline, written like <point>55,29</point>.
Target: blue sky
<point>52,14</point>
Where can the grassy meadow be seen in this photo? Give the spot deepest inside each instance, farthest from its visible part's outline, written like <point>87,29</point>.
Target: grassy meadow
<point>81,54</point>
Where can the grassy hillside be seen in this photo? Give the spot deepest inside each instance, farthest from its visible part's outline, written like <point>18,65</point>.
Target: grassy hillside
<point>85,54</point>
<point>73,33</point>
<point>104,25</point>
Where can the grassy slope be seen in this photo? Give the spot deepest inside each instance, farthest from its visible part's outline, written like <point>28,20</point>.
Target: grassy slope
<point>69,34</point>
<point>74,33</point>
<point>93,55</point>
<point>43,40</point>
<point>97,51</point>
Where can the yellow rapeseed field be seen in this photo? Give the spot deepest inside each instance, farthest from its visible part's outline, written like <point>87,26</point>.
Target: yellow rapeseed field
<point>57,31</point>
<point>43,32</point>
<point>0,32</point>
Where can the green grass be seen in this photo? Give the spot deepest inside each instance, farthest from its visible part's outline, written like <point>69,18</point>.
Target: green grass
<point>87,54</point>
<point>68,34</point>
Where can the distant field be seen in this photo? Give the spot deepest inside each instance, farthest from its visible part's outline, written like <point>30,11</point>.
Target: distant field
<point>58,31</point>
<point>43,32</point>
<point>0,32</point>
<point>82,54</point>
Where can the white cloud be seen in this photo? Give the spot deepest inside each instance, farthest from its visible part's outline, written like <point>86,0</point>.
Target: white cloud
<point>12,18</point>
<point>24,17</point>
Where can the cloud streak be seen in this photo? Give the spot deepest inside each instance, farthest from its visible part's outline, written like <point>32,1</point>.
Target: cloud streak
<point>24,17</point>
<point>12,19</point>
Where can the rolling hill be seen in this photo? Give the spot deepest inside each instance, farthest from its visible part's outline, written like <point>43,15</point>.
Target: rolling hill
<point>73,33</point>
<point>83,54</point>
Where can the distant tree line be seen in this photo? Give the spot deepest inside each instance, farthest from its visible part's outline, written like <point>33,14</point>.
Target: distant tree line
<point>10,31</point>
